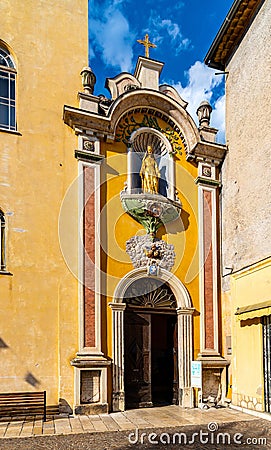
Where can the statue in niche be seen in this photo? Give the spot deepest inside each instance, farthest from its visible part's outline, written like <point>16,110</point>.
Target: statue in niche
<point>149,172</point>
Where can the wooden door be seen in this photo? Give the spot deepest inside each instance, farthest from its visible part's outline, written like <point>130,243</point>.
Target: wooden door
<point>137,359</point>
<point>175,399</point>
<point>163,356</point>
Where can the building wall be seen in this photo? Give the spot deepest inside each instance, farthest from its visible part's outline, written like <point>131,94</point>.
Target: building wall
<point>246,225</point>
<point>39,314</point>
<point>249,286</point>
<point>246,171</point>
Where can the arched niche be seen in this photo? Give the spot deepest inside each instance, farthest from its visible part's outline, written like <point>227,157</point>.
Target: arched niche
<point>139,142</point>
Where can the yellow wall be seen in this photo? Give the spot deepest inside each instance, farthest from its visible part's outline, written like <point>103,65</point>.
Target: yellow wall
<point>250,286</point>
<point>121,227</point>
<point>39,311</point>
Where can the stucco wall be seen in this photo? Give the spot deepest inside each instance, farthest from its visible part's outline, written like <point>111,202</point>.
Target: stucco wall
<point>39,304</point>
<point>246,175</point>
<point>248,287</point>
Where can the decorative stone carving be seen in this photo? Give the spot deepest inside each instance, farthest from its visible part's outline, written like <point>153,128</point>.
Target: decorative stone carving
<point>88,145</point>
<point>150,293</point>
<point>104,104</point>
<point>128,124</point>
<point>88,80</point>
<point>130,87</point>
<point>138,248</point>
<point>204,113</point>
<point>150,210</point>
<point>206,171</point>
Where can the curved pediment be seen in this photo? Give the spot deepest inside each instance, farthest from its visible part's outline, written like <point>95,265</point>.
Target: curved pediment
<point>158,105</point>
<point>120,84</point>
<point>173,93</point>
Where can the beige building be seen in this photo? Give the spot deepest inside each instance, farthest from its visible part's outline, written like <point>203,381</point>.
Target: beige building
<point>43,47</point>
<point>242,50</point>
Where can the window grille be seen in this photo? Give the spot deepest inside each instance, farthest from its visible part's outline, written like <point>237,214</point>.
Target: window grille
<point>7,91</point>
<point>2,241</point>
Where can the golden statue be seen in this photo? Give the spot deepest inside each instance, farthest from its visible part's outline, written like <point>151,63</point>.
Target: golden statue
<point>149,172</point>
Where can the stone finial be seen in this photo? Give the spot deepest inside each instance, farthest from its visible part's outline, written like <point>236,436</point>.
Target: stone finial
<point>88,80</point>
<point>204,113</point>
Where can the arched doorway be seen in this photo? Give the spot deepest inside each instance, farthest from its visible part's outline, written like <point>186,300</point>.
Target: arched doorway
<point>150,344</point>
<point>184,335</point>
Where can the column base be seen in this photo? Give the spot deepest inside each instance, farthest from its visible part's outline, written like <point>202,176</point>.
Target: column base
<point>213,388</point>
<point>91,409</point>
<point>118,403</point>
<point>186,397</point>
<point>214,360</point>
<point>90,384</point>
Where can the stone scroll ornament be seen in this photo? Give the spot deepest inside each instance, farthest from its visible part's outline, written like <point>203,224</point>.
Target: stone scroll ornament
<point>145,251</point>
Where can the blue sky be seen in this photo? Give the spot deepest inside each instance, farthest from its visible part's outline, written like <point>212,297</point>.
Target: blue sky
<point>183,32</point>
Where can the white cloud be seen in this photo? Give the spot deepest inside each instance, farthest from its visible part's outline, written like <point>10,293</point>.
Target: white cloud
<point>110,34</point>
<point>157,26</point>
<point>218,118</point>
<point>200,86</point>
<point>172,28</point>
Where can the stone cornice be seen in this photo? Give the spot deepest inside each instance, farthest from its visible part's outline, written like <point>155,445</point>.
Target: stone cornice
<point>231,33</point>
<point>84,155</point>
<point>207,151</point>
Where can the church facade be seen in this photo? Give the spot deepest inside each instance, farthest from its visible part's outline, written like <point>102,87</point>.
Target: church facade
<point>149,301</point>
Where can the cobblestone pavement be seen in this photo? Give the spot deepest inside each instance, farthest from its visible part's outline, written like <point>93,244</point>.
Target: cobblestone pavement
<point>112,431</point>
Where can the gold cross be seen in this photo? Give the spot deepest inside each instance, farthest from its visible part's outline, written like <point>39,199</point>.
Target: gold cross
<point>147,44</point>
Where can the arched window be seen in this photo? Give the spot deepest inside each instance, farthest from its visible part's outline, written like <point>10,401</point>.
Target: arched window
<point>7,91</point>
<point>2,241</point>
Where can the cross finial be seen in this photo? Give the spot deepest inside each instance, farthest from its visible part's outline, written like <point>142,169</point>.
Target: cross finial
<point>147,44</point>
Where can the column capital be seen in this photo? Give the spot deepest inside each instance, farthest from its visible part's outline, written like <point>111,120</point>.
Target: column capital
<point>185,311</point>
<point>117,306</point>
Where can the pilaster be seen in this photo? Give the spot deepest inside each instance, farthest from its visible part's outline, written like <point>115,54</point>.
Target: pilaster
<point>185,349</point>
<point>118,356</point>
<point>208,253</point>
<point>90,364</point>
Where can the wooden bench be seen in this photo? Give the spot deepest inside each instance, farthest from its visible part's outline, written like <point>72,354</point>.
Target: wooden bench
<point>23,404</point>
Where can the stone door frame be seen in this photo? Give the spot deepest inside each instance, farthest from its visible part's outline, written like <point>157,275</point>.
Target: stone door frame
<point>185,336</point>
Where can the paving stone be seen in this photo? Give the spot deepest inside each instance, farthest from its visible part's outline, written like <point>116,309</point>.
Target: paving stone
<point>137,419</point>
<point>76,425</point>
<point>147,418</point>
<point>86,424</point>
<point>27,429</point>
<point>13,430</point>
<point>62,426</point>
<point>109,422</point>
<point>3,428</point>
<point>123,422</point>
<point>97,423</point>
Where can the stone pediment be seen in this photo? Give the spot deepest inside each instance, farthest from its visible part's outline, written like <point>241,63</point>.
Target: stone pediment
<point>121,83</point>
<point>171,92</point>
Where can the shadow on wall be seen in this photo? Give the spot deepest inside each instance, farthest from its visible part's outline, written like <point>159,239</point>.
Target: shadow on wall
<point>64,407</point>
<point>3,344</point>
<point>31,379</point>
<point>180,224</point>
